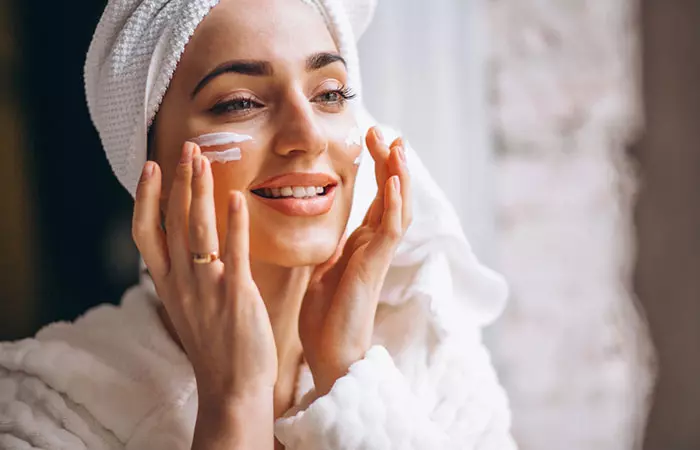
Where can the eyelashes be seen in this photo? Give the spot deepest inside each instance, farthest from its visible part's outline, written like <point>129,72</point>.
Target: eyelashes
<point>245,104</point>
<point>340,95</point>
<point>237,105</point>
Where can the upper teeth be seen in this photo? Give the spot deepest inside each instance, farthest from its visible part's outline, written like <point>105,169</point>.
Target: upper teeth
<point>294,191</point>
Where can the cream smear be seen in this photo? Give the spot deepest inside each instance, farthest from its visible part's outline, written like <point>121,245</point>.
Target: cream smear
<point>354,138</point>
<point>219,139</point>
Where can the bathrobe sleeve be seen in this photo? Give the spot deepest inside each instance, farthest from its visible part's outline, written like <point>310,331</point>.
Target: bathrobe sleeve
<point>34,416</point>
<point>450,400</point>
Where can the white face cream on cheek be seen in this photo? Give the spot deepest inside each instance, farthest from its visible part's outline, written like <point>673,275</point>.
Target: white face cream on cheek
<point>221,139</point>
<point>354,139</point>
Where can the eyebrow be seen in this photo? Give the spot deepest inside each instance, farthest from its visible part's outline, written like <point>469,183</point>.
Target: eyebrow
<point>256,68</point>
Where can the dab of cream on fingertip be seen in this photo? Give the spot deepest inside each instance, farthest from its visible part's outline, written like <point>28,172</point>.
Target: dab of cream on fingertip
<point>219,139</point>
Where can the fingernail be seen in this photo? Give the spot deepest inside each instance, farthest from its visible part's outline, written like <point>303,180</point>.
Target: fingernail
<point>397,183</point>
<point>198,166</point>
<point>235,202</point>
<point>147,171</point>
<point>378,134</point>
<point>187,153</point>
<point>402,153</point>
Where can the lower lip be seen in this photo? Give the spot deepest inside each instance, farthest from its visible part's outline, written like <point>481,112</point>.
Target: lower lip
<point>310,206</point>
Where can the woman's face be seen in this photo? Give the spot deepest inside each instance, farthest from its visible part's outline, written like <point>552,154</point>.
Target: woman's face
<point>268,69</point>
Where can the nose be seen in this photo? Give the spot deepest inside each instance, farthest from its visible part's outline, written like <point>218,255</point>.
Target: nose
<point>300,131</point>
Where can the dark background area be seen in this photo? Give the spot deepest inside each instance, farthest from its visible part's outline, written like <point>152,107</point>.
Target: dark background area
<point>667,278</point>
<point>82,212</point>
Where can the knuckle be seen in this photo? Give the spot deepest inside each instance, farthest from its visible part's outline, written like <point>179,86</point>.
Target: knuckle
<point>172,222</point>
<point>392,234</point>
<point>199,231</point>
<point>139,231</point>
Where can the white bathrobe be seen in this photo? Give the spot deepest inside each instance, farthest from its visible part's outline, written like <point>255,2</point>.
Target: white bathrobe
<point>114,379</point>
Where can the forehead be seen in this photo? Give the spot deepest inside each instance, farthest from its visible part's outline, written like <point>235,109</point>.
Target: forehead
<point>279,31</point>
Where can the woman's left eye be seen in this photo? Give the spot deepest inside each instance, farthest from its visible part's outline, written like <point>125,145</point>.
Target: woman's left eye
<point>331,97</point>
<point>335,96</point>
<point>236,106</point>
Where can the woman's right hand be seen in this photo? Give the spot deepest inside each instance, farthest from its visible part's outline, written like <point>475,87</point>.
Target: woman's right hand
<point>215,308</point>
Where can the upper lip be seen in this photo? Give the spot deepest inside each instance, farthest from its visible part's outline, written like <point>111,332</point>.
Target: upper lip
<point>297,179</point>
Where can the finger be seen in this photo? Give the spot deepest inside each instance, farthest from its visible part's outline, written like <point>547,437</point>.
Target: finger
<point>381,247</point>
<point>177,216</point>
<point>380,154</point>
<point>236,254</point>
<point>145,225</point>
<point>203,237</point>
<point>391,226</point>
<point>399,167</point>
<point>196,151</point>
<point>382,174</point>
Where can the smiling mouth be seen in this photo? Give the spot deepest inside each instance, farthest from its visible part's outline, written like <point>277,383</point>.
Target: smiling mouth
<point>296,192</point>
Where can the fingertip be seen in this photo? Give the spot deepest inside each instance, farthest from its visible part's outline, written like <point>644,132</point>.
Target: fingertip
<point>234,202</point>
<point>147,171</point>
<point>196,149</point>
<point>398,156</point>
<point>187,152</point>
<point>156,169</point>
<point>147,184</point>
<point>376,145</point>
<point>398,142</point>
<point>374,136</point>
<point>378,133</point>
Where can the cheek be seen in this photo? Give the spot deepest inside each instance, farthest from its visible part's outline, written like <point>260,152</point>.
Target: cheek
<point>345,146</point>
<point>235,159</point>
<point>234,176</point>
<point>354,145</point>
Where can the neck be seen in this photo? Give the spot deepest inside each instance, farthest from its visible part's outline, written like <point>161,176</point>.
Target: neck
<point>282,290</point>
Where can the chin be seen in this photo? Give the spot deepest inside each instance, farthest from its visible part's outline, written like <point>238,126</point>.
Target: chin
<point>296,249</point>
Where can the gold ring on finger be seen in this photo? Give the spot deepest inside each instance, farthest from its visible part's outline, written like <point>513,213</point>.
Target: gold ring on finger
<point>204,258</point>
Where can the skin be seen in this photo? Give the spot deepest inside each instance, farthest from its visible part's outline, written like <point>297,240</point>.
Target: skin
<point>285,287</point>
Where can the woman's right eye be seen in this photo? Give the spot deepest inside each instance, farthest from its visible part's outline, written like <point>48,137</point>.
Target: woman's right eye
<point>235,106</point>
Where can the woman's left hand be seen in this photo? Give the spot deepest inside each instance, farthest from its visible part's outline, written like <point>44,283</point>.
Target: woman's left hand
<point>337,315</point>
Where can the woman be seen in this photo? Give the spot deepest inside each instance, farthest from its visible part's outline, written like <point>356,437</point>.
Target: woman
<point>265,321</point>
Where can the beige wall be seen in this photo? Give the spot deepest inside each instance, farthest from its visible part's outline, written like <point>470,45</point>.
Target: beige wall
<point>668,217</point>
<point>572,351</point>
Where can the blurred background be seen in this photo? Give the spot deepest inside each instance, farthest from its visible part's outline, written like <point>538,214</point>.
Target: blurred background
<point>566,134</point>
